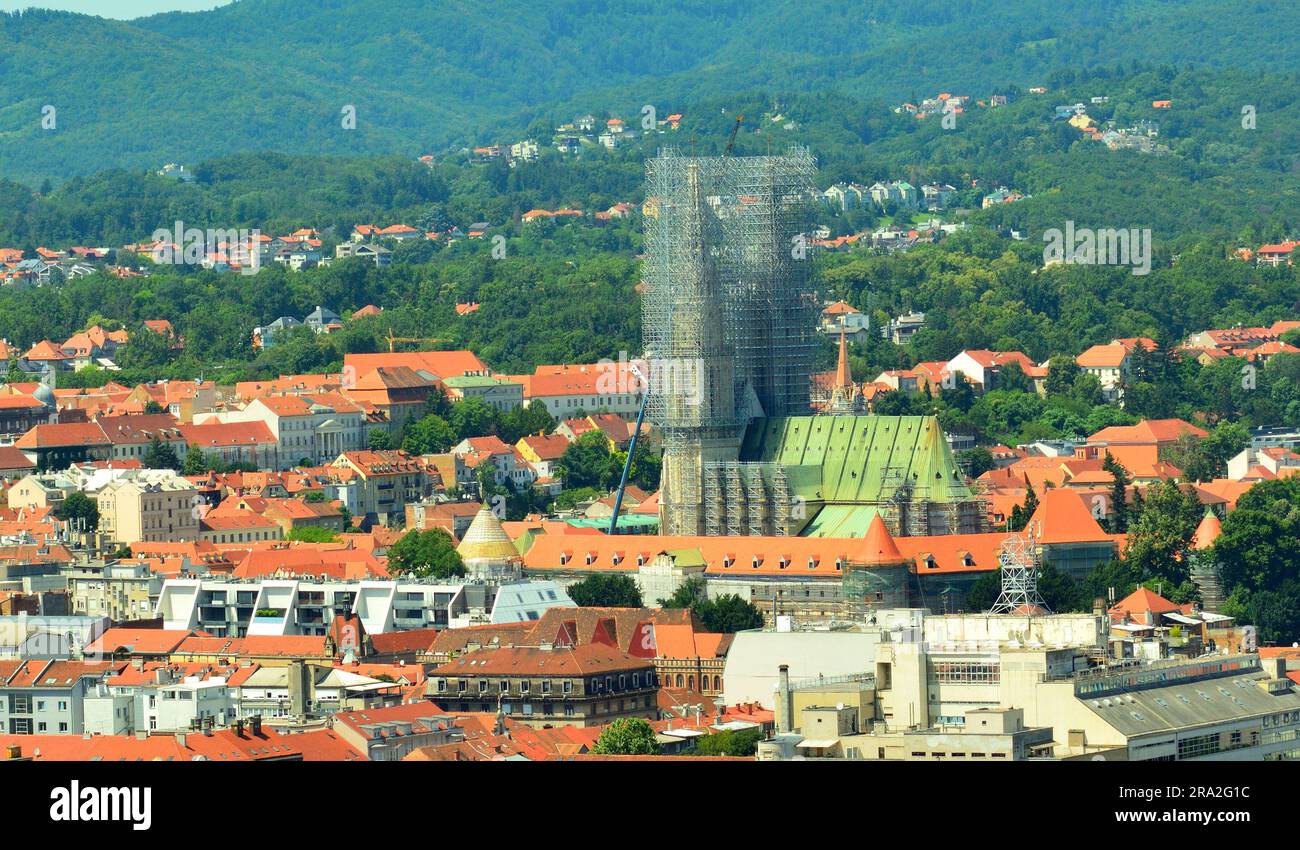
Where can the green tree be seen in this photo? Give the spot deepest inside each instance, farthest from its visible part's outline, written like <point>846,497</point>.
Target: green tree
<point>1276,613</point>
<point>1259,547</point>
<point>687,594</point>
<point>1159,538</point>
<point>1062,370</point>
<point>146,352</point>
<point>1117,574</point>
<point>425,554</point>
<point>379,440</point>
<point>587,462</point>
<point>627,736</point>
<point>523,421</point>
<point>78,507</point>
<point>740,743</point>
<point>1061,593</point>
<point>728,613</point>
<point>977,461</point>
<point>644,473</point>
<point>196,462</point>
<point>1118,494</point>
<point>160,455</point>
<point>605,590</point>
<point>473,417</point>
<point>312,534</point>
<point>1021,514</point>
<point>984,592</point>
<point>430,435</point>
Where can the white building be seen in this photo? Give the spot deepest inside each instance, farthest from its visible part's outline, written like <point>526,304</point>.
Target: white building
<point>316,427</point>
<point>237,607</point>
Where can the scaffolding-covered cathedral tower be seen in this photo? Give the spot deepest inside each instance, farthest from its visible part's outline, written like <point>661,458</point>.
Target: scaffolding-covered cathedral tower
<point>729,316</point>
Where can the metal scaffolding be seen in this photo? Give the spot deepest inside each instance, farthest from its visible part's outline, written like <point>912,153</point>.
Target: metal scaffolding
<point>728,320</point>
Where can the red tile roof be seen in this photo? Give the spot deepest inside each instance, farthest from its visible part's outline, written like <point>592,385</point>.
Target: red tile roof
<point>581,660</point>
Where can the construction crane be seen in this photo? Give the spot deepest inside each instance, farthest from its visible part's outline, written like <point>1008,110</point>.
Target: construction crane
<point>731,143</point>
<point>393,340</point>
<point>631,449</point>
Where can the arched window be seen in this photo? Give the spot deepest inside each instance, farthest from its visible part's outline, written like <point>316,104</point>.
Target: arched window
<point>690,683</point>
<point>679,680</point>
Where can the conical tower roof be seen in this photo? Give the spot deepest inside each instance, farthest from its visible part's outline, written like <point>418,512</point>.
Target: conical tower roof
<point>486,540</point>
<point>878,547</point>
<point>1207,532</point>
<point>843,372</point>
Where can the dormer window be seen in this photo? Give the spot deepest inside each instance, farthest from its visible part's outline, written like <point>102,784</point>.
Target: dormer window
<point>591,558</point>
<point>640,559</point>
<point>758,559</point>
<point>812,563</point>
<point>564,558</point>
<point>839,563</point>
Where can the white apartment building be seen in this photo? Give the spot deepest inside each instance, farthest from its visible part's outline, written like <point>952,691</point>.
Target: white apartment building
<point>237,607</point>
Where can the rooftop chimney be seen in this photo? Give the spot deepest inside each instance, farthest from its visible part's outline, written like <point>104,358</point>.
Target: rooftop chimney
<point>785,700</point>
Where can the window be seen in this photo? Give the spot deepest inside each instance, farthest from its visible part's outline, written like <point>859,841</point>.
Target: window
<point>546,686</point>
<point>966,673</point>
<point>1198,745</point>
<point>568,686</point>
<point>504,685</point>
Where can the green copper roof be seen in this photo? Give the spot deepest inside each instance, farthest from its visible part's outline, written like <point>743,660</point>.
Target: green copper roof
<point>862,459</point>
<point>688,557</point>
<point>465,381</point>
<point>634,523</point>
<point>841,521</point>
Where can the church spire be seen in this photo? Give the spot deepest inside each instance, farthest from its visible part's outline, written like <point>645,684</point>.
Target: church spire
<point>843,372</point>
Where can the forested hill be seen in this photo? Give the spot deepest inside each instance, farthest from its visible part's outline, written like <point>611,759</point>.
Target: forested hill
<point>275,74</point>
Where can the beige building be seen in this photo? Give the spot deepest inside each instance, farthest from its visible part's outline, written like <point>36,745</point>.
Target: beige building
<point>387,482</point>
<point>40,491</point>
<point>121,592</point>
<point>154,507</point>
<point>937,681</point>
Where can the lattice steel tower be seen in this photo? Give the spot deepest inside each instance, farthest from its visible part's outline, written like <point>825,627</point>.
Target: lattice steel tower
<point>1018,561</point>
